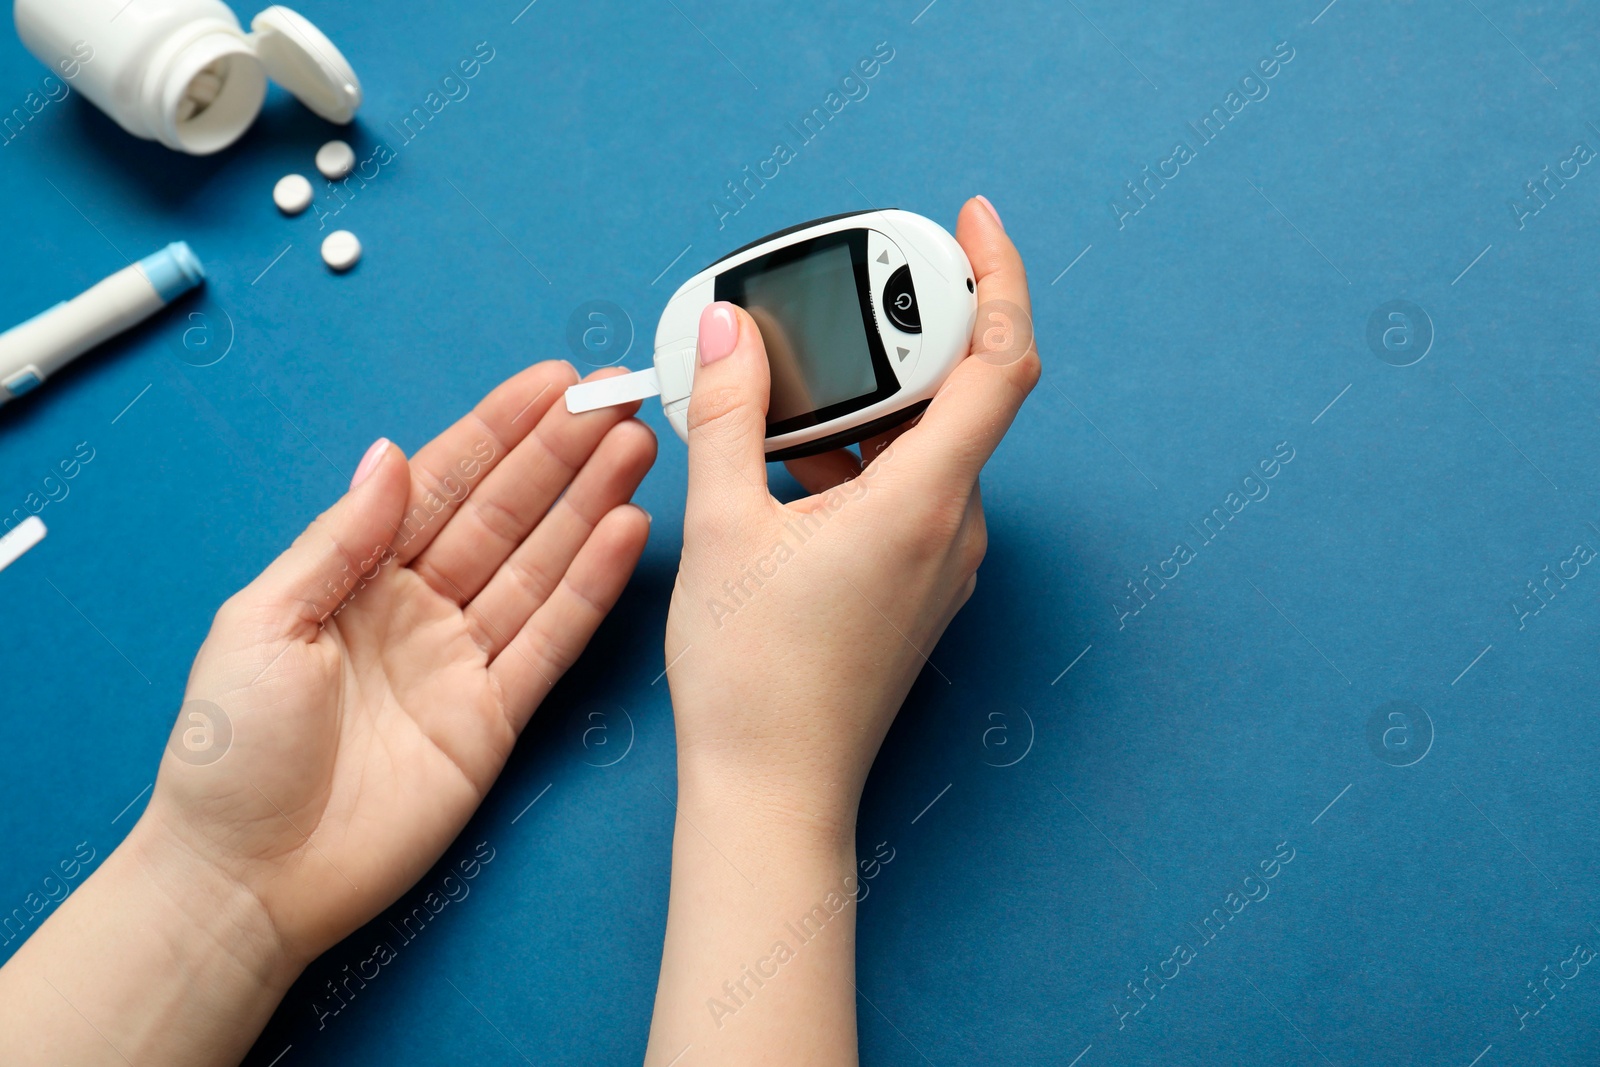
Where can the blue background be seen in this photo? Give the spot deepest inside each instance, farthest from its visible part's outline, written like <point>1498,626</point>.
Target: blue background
<point>1180,349</point>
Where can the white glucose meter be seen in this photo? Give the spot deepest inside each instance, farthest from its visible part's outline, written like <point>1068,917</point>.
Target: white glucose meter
<point>864,315</point>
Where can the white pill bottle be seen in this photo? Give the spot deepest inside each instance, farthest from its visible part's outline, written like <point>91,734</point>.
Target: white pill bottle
<point>184,72</point>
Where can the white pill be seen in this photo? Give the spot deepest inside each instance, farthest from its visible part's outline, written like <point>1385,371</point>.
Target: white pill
<point>292,194</point>
<point>204,88</point>
<point>341,250</point>
<point>335,159</point>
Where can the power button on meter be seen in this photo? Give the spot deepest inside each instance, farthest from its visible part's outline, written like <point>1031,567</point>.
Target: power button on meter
<point>900,302</point>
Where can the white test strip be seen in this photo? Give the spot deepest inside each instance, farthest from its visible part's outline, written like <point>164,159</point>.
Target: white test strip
<point>29,533</point>
<point>609,392</point>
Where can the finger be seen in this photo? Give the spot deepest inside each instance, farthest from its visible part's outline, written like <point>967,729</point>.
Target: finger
<point>444,470</point>
<point>510,500</point>
<point>345,547</point>
<point>528,577</point>
<point>728,415</point>
<point>819,473</point>
<point>553,637</point>
<point>879,443</point>
<point>975,406</point>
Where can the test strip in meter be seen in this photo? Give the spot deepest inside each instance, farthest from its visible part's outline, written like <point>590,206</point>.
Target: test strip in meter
<point>609,392</point>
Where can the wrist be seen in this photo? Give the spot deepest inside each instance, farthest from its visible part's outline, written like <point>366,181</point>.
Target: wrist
<point>760,946</point>
<point>175,962</point>
<point>213,922</point>
<point>796,804</point>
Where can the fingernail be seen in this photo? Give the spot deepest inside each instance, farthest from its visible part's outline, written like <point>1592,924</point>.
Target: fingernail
<point>647,516</point>
<point>985,201</point>
<point>719,332</point>
<point>369,461</point>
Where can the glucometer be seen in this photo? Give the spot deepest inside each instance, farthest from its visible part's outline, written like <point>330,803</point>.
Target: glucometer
<point>864,316</point>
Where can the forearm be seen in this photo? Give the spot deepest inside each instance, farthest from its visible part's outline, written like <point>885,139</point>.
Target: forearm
<point>155,959</point>
<point>759,961</point>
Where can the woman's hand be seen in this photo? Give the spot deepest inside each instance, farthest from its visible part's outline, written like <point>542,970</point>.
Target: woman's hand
<point>377,674</point>
<point>795,632</point>
<point>346,715</point>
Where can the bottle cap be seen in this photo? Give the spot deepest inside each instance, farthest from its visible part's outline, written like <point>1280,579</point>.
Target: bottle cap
<point>299,57</point>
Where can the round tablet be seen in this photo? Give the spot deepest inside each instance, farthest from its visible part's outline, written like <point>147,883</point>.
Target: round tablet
<point>341,250</point>
<point>335,159</point>
<point>205,87</point>
<point>292,194</point>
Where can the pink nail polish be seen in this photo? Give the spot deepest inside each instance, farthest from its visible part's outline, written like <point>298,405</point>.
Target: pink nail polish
<point>719,332</point>
<point>369,461</point>
<point>985,201</point>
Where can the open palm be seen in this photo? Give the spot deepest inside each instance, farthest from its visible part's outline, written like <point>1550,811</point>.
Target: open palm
<point>351,707</point>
